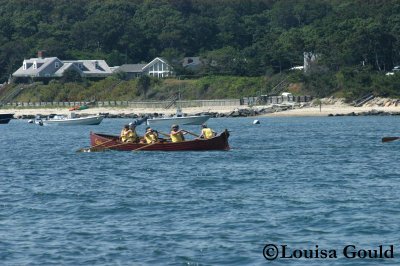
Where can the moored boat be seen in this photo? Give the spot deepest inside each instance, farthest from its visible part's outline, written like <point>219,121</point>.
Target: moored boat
<point>104,141</point>
<point>78,107</point>
<point>71,121</point>
<point>5,118</point>
<point>185,120</point>
<point>178,119</point>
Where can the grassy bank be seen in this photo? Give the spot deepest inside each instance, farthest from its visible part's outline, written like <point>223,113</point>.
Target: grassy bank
<point>347,83</point>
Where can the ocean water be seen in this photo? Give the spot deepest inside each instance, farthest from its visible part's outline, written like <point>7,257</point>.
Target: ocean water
<point>307,183</point>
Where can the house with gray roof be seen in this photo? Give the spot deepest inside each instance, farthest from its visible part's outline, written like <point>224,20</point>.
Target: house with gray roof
<point>52,67</point>
<point>192,63</point>
<point>132,70</point>
<point>158,67</point>
<point>39,67</point>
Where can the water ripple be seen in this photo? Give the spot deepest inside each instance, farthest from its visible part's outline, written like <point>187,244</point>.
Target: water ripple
<point>295,181</point>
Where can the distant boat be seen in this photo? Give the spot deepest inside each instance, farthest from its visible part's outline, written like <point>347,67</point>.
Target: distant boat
<point>178,119</point>
<point>5,118</point>
<point>72,120</point>
<point>138,122</point>
<point>79,107</point>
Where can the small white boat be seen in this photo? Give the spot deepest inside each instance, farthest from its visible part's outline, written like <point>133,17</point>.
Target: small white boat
<point>178,119</point>
<point>72,120</point>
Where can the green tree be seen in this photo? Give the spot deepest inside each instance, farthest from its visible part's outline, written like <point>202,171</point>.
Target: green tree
<point>143,85</point>
<point>71,75</point>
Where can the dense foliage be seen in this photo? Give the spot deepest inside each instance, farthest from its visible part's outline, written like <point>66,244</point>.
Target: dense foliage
<point>115,89</point>
<point>237,37</point>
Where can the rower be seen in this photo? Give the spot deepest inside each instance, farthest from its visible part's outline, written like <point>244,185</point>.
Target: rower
<point>151,136</point>
<point>124,133</point>
<point>177,134</point>
<point>206,132</point>
<point>132,136</point>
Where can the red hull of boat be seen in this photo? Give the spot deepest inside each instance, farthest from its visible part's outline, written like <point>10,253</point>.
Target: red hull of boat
<point>219,142</point>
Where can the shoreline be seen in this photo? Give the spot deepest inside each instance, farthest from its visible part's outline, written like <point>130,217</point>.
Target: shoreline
<point>216,111</point>
<point>336,110</point>
<point>118,111</point>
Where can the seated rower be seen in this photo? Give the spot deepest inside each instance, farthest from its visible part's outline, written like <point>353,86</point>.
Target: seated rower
<point>206,132</point>
<point>151,136</point>
<point>124,133</point>
<point>177,134</point>
<point>132,135</point>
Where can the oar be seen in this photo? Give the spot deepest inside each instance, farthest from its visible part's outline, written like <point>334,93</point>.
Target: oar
<point>109,148</point>
<point>90,148</point>
<point>145,146</point>
<point>191,133</point>
<point>162,133</point>
<point>120,144</point>
<point>387,139</point>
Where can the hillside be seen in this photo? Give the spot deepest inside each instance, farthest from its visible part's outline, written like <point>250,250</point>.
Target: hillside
<point>346,84</point>
<point>241,38</point>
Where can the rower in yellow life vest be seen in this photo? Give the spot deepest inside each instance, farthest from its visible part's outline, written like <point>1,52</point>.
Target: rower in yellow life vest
<point>151,136</point>
<point>132,136</point>
<point>124,133</point>
<point>206,132</point>
<point>177,134</point>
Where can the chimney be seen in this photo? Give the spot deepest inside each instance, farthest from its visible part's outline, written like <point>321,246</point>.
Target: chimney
<point>40,54</point>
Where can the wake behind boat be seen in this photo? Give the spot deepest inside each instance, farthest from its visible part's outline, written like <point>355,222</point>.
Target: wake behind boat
<point>72,120</point>
<point>111,142</point>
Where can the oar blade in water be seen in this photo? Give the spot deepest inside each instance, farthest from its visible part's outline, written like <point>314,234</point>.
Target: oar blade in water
<point>388,139</point>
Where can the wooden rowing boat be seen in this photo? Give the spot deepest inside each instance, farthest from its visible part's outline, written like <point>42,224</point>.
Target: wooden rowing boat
<point>219,142</point>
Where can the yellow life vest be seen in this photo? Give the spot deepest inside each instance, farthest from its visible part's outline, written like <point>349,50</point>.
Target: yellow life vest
<point>124,135</point>
<point>207,133</point>
<point>150,137</point>
<point>176,137</point>
<point>132,136</point>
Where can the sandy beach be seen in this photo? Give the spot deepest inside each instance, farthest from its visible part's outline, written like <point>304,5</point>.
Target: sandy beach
<point>118,110</point>
<point>329,107</point>
<point>337,106</point>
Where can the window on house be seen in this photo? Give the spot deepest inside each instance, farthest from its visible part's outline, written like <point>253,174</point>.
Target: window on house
<point>34,65</point>
<point>57,65</point>
<point>24,66</point>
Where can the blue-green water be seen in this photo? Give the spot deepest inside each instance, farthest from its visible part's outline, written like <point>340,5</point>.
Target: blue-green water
<point>299,182</point>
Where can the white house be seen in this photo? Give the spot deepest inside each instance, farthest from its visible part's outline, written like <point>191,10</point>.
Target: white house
<point>158,67</point>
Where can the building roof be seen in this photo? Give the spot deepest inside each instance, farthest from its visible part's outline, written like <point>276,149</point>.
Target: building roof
<point>65,67</point>
<point>92,67</point>
<point>42,63</point>
<point>155,60</point>
<point>191,61</point>
<point>131,68</point>
<point>88,68</point>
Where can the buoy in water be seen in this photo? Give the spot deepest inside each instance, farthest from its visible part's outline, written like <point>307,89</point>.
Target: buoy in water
<point>256,122</point>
